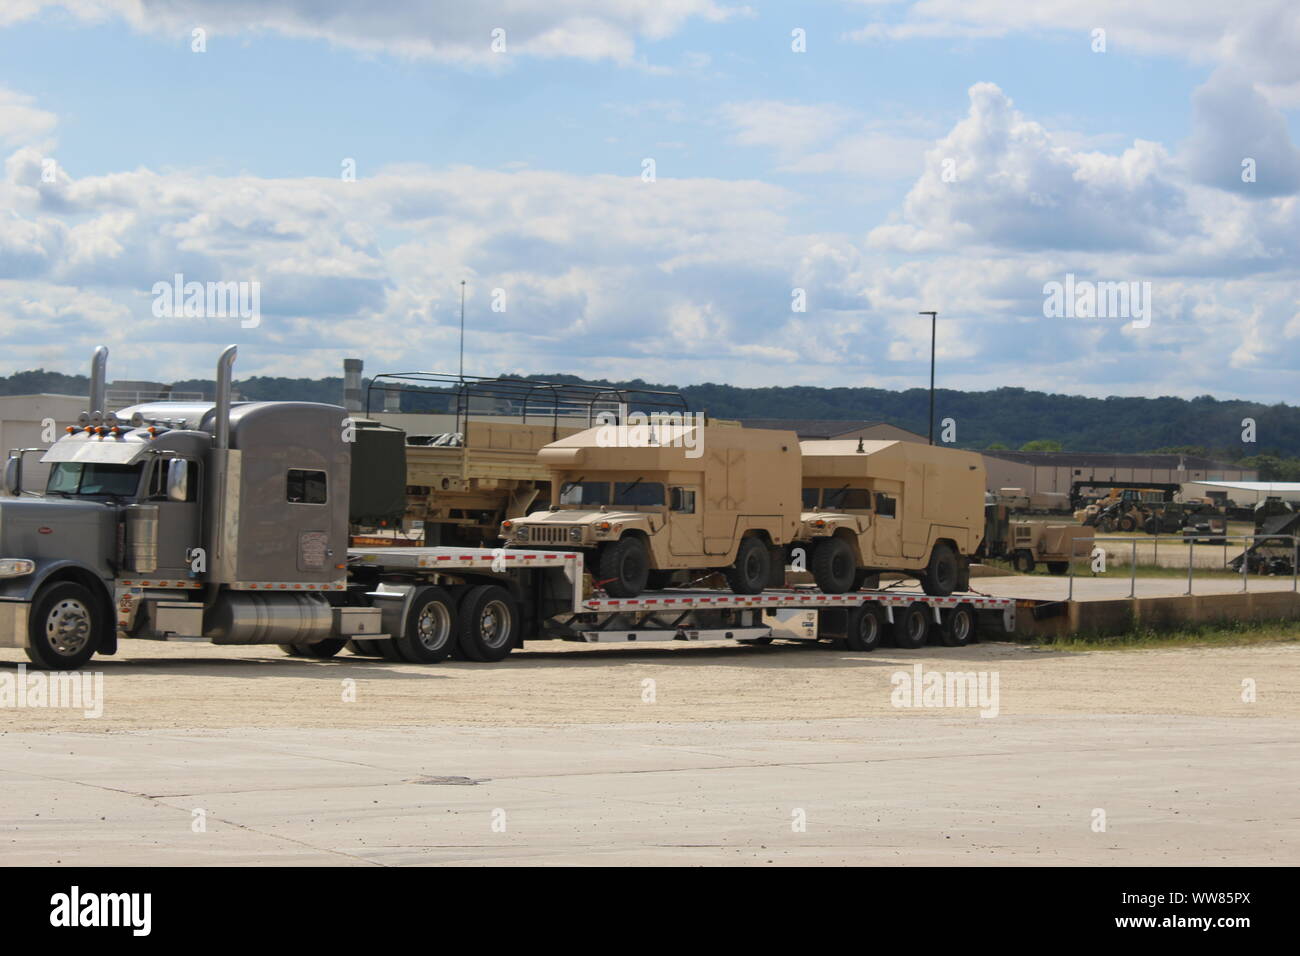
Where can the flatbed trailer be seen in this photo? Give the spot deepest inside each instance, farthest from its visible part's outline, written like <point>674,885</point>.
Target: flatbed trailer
<point>553,599</point>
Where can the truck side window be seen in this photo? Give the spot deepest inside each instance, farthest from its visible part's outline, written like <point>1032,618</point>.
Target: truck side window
<point>306,487</point>
<point>810,497</point>
<point>886,506</point>
<point>683,501</point>
<point>158,481</point>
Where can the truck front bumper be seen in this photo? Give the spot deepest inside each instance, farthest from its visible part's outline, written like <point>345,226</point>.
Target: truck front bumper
<point>13,623</point>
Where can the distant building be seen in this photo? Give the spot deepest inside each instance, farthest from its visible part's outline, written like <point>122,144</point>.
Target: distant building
<point>23,424</point>
<point>1043,472</point>
<point>813,429</point>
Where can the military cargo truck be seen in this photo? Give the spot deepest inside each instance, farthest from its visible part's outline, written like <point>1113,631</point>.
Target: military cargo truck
<point>872,506</point>
<point>646,501</point>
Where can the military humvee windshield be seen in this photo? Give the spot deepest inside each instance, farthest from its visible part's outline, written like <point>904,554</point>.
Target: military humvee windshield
<point>633,493</point>
<point>849,499</point>
<point>584,493</point>
<point>93,478</point>
<point>627,493</point>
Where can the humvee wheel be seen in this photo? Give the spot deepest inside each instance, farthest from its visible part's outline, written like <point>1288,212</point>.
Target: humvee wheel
<point>1058,567</point>
<point>753,565</point>
<point>833,566</point>
<point>65,626</point>
<point>1023,561</point>
<point>942,573</point>
<point>866,627</point>
<point>912,626</point>
<point>624,567</point>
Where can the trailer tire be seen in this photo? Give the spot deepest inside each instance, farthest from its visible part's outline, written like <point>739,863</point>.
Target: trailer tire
<point>1058,567</point>
<point>430,631</point>
<point>65,627</point>
<point>387,648</point>
<point>834,568</point>
<point>321,650</point>
<point>290,650</point>
<point>752,568</point>
<point>958,628</point>
<point>363,648</point>
<point>624,566</point>
<point>488,623</point>
<point>912,626</point>
<point>866,627</point>
<point>943,572</point>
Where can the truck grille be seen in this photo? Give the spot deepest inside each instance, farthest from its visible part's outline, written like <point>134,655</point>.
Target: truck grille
<point>547,534</point>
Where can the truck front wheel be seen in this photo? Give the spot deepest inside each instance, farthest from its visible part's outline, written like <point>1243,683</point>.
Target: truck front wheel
<point>66,624</point>
<point>624,567</point>
<point>752,568</point>
<point>833,566</point>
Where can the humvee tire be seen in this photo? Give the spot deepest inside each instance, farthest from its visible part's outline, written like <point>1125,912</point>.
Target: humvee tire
<point>1023,561</point>
<point>833,566</point>
<point>866,627</point>
<point>753,566</point>
<point>912,626</point>
<point>623,567</point>
<point>1058,567</point>
<point>942,573</point>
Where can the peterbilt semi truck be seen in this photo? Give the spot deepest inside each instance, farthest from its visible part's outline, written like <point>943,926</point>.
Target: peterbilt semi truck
<point>228,522</point>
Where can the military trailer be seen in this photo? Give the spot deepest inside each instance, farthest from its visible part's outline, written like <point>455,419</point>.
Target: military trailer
<point>645,502</point>
<point>872,506</point>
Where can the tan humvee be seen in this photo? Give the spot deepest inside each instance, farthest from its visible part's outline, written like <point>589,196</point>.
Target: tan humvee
<point>873,506</point>
<point>1056,545</point>
<point>645,501</point>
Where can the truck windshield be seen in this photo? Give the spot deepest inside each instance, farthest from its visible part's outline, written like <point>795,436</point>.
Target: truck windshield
<point>584,493</point>
<point>638,493</point>
<point>850,499</point>
<point>93,478</point>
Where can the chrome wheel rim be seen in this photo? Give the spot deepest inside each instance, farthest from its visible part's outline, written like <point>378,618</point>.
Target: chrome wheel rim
<point>67,627</point>
<point>494,624</point>
<point>433,626</point>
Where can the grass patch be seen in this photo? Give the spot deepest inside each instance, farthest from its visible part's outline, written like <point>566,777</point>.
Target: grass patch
<point>1234,633</point>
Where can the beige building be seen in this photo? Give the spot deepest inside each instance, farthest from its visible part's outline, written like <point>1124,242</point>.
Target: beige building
<point>35,421</point>
<point>1040,472</point>
<point>812,429</point>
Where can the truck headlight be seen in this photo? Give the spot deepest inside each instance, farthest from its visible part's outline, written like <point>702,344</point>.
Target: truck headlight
<point>521,532</point>
<point>575,534</point>
<point>16,567</point>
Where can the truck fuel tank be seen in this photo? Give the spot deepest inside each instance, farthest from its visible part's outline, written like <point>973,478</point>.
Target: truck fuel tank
<point>246,618</point>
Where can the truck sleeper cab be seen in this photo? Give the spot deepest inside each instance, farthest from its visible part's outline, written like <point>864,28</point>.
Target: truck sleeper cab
<point>645,504</point>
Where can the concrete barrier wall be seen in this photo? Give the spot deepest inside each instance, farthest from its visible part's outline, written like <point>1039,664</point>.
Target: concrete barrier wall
<point>1119,616</point>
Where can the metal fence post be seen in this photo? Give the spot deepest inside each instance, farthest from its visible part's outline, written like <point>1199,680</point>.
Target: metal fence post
<point>1245,562</point>
<point>1190,562</point>
<point>1133,571</point>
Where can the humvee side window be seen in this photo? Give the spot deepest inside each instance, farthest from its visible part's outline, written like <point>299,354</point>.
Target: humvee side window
<point>810,497</point>
<point>886,506</point>
<point>306,487</point>
<point>854,499</point>
<point>638,493</point>
<point>683,501</point>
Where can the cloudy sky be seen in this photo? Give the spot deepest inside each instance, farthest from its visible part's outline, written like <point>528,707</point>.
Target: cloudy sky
<point>655,188</point>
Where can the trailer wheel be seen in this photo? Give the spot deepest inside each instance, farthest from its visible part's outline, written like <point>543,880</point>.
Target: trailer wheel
<point>624,566</point>
<point>430,631</point>
<point>291,650</point>
<point>942,573</point>
<point>1058,567</point>
<point>321,650</point>
<point>833,566</point>
<point>752,568</point>
<point>866,627</point>
<point>65,627</point>
<point>488,623</point>
<point>363,648</point>
<point>1023,561</point>
<point>958,628</point>
<point>912,626</point>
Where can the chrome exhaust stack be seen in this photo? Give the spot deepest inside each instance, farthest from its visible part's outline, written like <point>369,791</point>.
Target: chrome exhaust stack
<point>225,366</point>
<point>99,384</point>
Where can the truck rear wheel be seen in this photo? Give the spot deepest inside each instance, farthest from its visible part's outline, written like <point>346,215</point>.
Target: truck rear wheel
<point>321,650</point>
<point>912,626</point>
<point>834,568</point>
<point>65,627</point>
<point>430,631</point>
<point>753,566</point>
<point>942,573</point>
<point>866,627</point>
<point>488,623</point>
<point>363,648</point>
<point>958,628</point>
<point>624,567</point>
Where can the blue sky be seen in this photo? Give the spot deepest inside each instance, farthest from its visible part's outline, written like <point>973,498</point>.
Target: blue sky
<point>775,171</point>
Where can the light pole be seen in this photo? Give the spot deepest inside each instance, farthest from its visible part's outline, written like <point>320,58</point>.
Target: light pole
<point>934,320</point>
<point>462,332</point>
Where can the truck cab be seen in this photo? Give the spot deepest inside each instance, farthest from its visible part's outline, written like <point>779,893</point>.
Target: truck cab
<point>678,498</point>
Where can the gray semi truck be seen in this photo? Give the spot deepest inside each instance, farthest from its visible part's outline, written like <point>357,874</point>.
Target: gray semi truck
<point>229,522</point>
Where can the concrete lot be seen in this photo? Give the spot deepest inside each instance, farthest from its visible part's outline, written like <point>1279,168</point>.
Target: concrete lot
<point>568,749</point>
